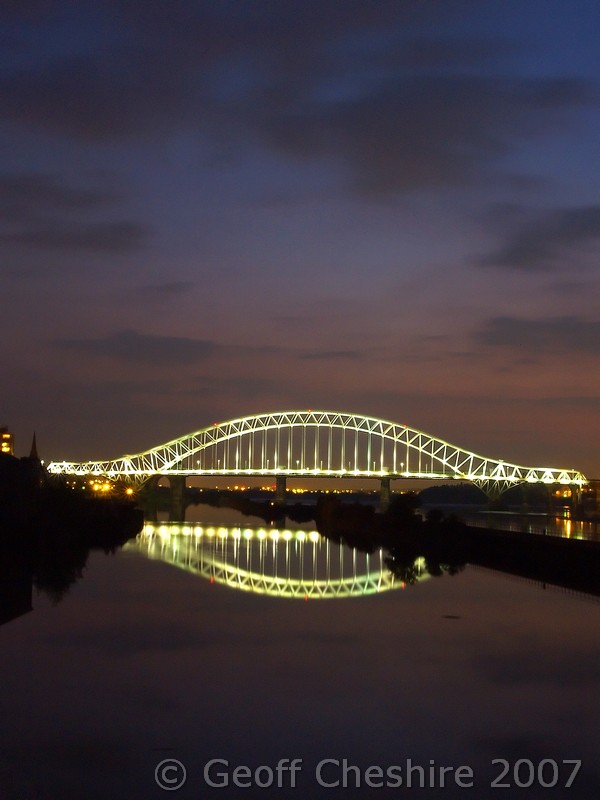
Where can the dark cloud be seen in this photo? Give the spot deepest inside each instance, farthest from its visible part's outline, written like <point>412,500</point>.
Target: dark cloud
<point>131,346</point>
<point>422,131</point>
<point>551,334</point>
<point>110,96</point>
<point>26,9</point>
<point>137,347</point>
<point>456,53</point>
<point>292,31</point>
<point>331,355</point>
<point>104,237</point>
<point>550,240</point>
<point>287,75</point>
<point>42,212</point>
<point>28,196</point>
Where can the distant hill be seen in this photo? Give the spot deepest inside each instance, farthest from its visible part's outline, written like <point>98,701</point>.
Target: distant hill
<point>462,494</point>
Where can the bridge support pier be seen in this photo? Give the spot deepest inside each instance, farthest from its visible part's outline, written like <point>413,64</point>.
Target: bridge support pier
<point>177,502</point>
<point>148,498</point>
<point>550,499</point>
<point>525,498</point>
<point>385,494</point>
<point>280,490</point>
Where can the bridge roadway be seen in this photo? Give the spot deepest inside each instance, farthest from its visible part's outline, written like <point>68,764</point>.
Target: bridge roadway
<point>318,444</point>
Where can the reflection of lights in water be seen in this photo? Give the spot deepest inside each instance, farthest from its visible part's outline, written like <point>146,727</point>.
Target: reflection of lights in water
<point>286,563</point>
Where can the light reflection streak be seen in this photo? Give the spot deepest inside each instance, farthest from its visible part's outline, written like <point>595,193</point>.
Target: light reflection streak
<point>292,564</point>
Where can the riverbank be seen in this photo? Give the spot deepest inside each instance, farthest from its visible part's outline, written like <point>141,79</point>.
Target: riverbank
<point>570,563</point>
<point>46,539</point>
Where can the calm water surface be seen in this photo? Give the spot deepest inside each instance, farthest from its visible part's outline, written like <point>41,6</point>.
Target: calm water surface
<point>535,523</point>
<point>224,639</point>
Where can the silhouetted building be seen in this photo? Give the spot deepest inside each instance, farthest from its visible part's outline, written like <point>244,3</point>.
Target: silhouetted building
<point>20,478</point>
<point>32,468</point>
<point>34,452</point>
<point>7,442</point>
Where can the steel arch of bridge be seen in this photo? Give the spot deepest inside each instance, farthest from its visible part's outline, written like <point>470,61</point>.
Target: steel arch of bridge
<point>318,444</point>
<point>286,564</point>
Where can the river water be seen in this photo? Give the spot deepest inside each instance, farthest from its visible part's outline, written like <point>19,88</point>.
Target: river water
<point>535,523</point>
<point>223,643</point>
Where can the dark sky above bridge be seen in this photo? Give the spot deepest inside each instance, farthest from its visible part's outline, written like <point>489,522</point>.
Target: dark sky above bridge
<point>211,209</point>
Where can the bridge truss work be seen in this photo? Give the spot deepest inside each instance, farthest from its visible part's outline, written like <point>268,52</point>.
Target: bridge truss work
<point>319,444</point>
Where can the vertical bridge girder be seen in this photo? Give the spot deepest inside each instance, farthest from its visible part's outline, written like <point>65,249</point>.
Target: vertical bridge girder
<point>177,500</point>
<point>280,490</point>
<point>385,494</point>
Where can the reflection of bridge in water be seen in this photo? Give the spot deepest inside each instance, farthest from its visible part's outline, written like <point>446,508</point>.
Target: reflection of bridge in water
<point>317,444</point>
<point>280,563</point>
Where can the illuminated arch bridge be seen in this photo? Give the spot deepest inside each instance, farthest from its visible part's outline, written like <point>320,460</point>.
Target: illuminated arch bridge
<point>320,444</point>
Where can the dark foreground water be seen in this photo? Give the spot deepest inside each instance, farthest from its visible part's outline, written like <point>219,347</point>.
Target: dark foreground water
<point>252,646</point>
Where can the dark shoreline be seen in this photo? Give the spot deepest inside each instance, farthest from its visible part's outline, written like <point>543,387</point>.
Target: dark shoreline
<point>569,563</point>
<point>46,541</point>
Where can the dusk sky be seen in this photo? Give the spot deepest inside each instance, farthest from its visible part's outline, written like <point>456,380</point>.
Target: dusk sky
<point>213,209</point>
